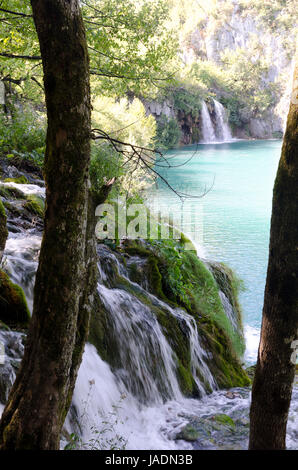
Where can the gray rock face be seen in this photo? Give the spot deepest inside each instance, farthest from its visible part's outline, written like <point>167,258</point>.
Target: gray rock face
<point>243,30</point>
<point>157,109</point>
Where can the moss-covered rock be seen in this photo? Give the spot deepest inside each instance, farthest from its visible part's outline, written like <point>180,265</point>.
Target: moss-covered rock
<point>225,420</point>
<point>35,204</point>
<point>181,280</point>
<point>230,285</point>
<point>101,334</point>
<point>19,180</point>
<point>3,229</point>
<point>251,371</point>
<point>14,311</point>
<point>11,192</point>
<point>188,433</point>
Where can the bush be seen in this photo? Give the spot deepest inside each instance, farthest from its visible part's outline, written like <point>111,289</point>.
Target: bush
<point>168,133</point>
<point>23,135</point>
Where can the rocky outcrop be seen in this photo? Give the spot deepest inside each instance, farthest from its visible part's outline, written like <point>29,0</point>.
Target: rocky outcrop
<point>14,311</point>
<point>190,126</point>
<point>238,28</point>
<point>142,276</point>
<point>235,27</point>
<point>189,123</point>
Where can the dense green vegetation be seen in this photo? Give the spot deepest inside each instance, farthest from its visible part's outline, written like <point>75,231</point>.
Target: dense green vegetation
<point>181,280</point>
<point>138,50</point>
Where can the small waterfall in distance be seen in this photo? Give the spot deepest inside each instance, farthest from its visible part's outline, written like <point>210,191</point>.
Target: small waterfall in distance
<point>207,126</point>
<point>221,132</point>
<point>222,124</point>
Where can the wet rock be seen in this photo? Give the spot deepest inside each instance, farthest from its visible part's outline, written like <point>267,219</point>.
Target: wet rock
<point>233,395</point>
<point>20,180</point>
<point>251,371</point>
<point>188,433</point>
<point>14,311</point>
<point>225,420</point>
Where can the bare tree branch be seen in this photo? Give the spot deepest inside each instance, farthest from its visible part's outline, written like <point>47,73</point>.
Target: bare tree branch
<point>147,158</point>
<point>16,13</point>
<point>26,57</point>
<point>37,83</point>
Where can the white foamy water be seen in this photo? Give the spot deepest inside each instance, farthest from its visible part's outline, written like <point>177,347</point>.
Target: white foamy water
<point>207,126</point>
<point>100,398</point>
<point>252,339</point>
<point>27,189</point>
<point>222,125</point>
<point>21,261</point>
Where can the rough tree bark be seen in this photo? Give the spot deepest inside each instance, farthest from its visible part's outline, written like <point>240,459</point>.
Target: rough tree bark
<point>273,382</point>
<point>65,280</point>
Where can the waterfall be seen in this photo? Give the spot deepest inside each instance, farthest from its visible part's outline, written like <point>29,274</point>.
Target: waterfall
<point>136,402</point>
<point>207,126</point>
<point>21,259</point>
<point>138,393</point>
<point>141,339</point>
<point>142,343</point>
<point>228,310</point>
<point>223,130</point>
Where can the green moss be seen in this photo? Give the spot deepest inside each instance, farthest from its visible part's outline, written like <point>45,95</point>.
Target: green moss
<point>224,419</point>
<point>181,279</point>
<point>35,204</point>
<point>187,281</point>
<point>188,433</point>
<point>14,311</point>
<point>4,192</point>
<point>224,363</point>
<point>154,277</point>
<point>2,211</point>
<point>187,243</point>
<point>16,209</point>
<point>230,285</point>
<point>19,180</point>
<point>186,381</point>
<point>136,247</point>
<point>251,372</point>
<point>10,192</point>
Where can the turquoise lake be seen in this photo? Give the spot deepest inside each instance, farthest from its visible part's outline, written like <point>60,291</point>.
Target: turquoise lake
<point>231,223</point>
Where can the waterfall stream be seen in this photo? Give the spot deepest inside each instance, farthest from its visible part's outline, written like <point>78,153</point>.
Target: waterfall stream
<point>222,125</point>
<point>207,126</point>
<point>219,131</point>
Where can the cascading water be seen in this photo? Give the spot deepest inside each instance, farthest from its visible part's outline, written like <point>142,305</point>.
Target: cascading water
<point>223,130</point>
<point>21,259</point>
<point>143,342</point>
<point>207,126</point>
<point>138,404</point>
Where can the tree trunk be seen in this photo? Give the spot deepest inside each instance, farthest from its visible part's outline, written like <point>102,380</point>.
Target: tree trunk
<point>41,395</point>
<point>273,382</point>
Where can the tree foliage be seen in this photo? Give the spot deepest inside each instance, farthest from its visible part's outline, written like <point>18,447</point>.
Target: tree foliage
<point>128,46</point>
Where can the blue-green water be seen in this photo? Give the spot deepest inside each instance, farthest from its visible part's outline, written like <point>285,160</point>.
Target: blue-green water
<point>234,216</point>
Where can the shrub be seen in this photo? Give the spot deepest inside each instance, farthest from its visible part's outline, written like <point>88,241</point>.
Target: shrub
<point>168,133</point>
<point>23,135</point>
